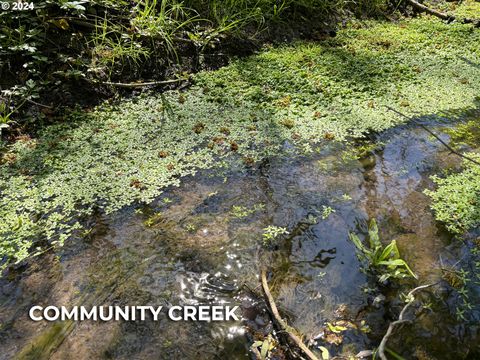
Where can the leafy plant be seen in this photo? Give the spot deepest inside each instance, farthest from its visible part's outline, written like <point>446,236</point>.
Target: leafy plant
<point>325,353</point>
<point>239,211</point>
<point>456,199</point>
<point>271,234</point>
<point>327,211</point>
<point>385,261</point>
<point>336,328</point>
<point>265,346</point>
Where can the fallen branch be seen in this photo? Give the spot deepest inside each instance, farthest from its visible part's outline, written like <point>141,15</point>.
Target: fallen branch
<point>401,320</point>
<point>281,322</point>
<point>441,15</point>
<point>38,104</point>
<point>436,137</point>
<point>139,84</point>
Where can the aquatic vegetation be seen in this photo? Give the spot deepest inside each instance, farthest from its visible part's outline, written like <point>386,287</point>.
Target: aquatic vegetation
<point>327,211</point>
<point>465,9</point>
<point>466,133</point>
<point>240,212</point>
<point>191,228</point>
<point>325,353</point>
<point>384,261</point>
<point>126,153</point>
<point>153,219</point>
<point>266,346</point>
<point>271,234</point>
<point>340,87</point>
<point>456,198</point>
<point>336,328</point>
<point>463,278</point>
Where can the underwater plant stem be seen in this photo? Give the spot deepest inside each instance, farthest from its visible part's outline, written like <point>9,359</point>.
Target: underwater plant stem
<point>436,137</point>
<point>281,322</point>
<point>391,327</point>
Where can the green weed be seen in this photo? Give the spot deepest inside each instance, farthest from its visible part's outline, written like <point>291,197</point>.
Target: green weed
<point>240,212</point>
<point>384,261</point>
<point>272,233</point>
<point>327,211</point>
<point>265,346</point>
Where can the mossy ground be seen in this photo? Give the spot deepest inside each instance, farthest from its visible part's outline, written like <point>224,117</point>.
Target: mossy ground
<point>304,93</point>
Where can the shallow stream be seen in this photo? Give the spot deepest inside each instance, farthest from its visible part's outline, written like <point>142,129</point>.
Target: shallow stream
<point>201,243</point>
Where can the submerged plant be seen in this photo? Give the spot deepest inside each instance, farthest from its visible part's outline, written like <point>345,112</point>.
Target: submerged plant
<point>271,233</point>
<point>463,279</point>
<point>266,346</point>
<point>327,211</point>
<point>385,261</point>
<point>239,211</point>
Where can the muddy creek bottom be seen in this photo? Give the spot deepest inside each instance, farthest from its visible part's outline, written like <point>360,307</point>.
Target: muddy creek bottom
<point>201,244</point>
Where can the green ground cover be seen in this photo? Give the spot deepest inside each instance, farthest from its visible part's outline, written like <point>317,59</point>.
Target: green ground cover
<point>304,93</point>
<point>456,199</point>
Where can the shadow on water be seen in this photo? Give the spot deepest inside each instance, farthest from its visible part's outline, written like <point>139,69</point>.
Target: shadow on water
<point>200,244</point>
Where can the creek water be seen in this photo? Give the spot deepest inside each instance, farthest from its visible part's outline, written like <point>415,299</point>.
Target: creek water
<point>201,243</point>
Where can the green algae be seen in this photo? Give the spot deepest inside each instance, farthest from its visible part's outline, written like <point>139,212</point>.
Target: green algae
<point>45,344</point>
<point>305,93</point>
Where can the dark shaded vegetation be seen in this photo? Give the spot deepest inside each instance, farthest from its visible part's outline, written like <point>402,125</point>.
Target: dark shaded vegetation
<point>66,53</point>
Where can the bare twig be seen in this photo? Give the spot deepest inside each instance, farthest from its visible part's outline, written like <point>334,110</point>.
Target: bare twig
<point>38,104</point>
<point>401,320</point>
<point>281,322</point>
<point>139,84</point>
<point>435,136</point>
<point>441,15</point>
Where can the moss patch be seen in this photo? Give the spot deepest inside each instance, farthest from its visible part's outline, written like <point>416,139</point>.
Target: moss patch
<point>306,93</point>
